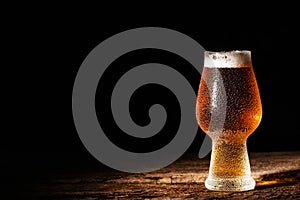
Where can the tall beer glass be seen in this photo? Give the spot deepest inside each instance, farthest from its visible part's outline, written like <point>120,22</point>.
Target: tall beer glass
<point>228,110</point>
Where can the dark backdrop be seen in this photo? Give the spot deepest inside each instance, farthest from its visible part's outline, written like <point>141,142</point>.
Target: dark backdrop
<point>45,50</point>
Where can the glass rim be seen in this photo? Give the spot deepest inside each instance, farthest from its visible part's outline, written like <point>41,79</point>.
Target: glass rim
<point>228,51</point>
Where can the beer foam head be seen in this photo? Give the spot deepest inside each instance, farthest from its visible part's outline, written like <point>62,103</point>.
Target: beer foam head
<point>224,59</point>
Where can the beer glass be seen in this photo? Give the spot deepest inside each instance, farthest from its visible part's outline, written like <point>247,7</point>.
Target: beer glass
<point>228,110</point>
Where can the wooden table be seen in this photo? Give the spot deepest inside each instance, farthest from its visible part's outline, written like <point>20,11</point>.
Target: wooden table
<point>277,176</point>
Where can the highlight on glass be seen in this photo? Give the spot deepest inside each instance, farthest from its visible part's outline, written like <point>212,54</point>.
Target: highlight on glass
<point>228,110</point>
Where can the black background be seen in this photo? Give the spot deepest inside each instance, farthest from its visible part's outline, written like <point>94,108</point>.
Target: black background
<point>44,50</point>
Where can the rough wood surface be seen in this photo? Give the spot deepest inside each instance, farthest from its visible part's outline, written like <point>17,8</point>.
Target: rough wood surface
<point>277,176</point>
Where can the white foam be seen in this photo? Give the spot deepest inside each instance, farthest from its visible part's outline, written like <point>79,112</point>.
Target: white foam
<point>226,59</point>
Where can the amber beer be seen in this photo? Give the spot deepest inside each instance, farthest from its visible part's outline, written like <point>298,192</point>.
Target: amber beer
<point>228,110</point>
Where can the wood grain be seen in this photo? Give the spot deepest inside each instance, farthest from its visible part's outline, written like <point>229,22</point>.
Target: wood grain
<point>277,176</point>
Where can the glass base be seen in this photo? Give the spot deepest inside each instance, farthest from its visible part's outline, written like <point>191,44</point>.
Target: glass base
<point>230,184</point>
